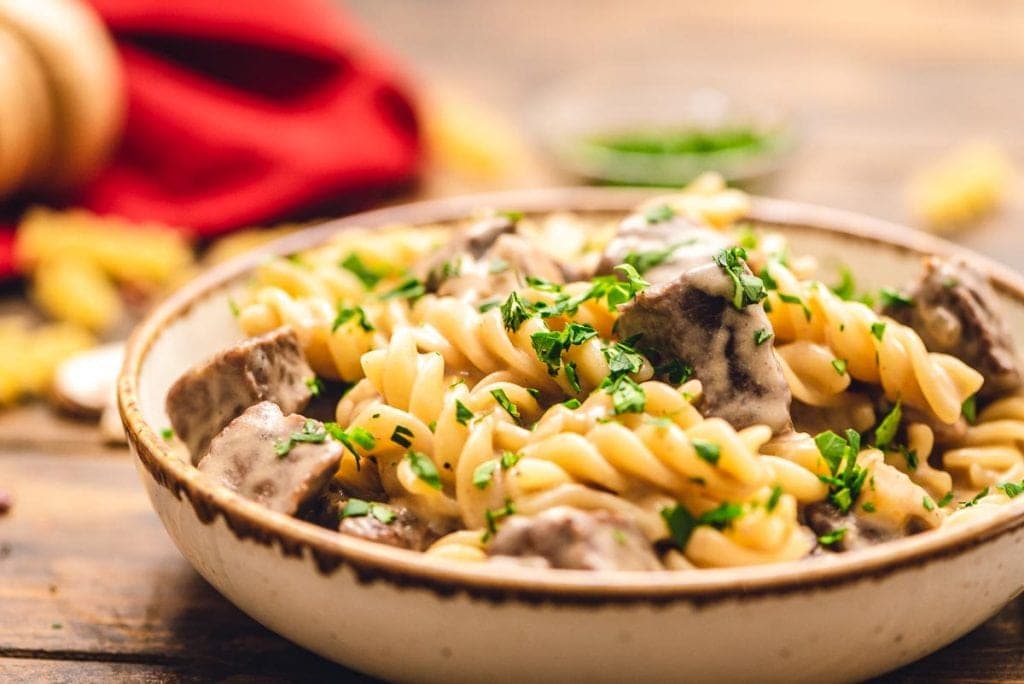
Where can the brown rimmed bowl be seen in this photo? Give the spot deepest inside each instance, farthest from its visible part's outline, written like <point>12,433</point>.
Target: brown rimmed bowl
<point>401,615</point>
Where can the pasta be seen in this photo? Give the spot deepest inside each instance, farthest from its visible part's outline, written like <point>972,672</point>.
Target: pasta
<point>548,405</point>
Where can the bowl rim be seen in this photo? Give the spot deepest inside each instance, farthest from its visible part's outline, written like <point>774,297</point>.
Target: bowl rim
<point>371,561</point>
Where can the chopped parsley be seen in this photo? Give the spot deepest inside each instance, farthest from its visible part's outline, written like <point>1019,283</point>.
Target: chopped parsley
<point>348,313</point>
<point>793,299</point>
<point>424,468</point>
<point>748,288</point>
<point>549,344</point>
<point>645,261</point>
<point>869,507</point>
<point>946,500</point>
<point>315,385</point>
<point>762,335</point>
<point>977,498</point>
<point>401,436</point>
<point>890,297</point>
<point>911,456</point>
<point>839,365</point>
<point>510,214</point>
<point>675,371</point>
<point>627,396</point>
<point>708,451</point>
<point>615,290</point>
<point>311,433</point>
<point>542,285</point>
<point>509,459</point>
<point>462,413</point>
<point>233,307</point>
<point>846,288</point>
<point>969,409</point>
<point>833,537</point>
<point>514,311</point>
<point>887,429</point>
<point>623,359</point>
<point>660,213</point>
<point>167,434</point>
<point>928,504</point>
<point>747,237</point>
<point>878,330</point>
<point>484,473</point>
<point>358,508</point>
<point>773,500</point>
<point>767,279</point>
<point>367,276</point>
<point>491,518</point>
<point>572,377</point>
<point>505,403</point>
<point>573,403</point>
<point>1012,489</point>
<point>847,477</point>
<point>681,523</point>
<point>488,305</point>
<point>351,438</point>
<point>410,288</point>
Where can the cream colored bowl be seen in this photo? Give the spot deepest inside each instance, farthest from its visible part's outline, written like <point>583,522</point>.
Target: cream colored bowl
<point>401,615</point>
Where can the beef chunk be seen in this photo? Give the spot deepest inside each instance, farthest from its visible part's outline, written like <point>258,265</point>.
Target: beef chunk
<point>954,311</point>
<point>209,396</point>
<point>487,259</point>
<point>577,540</point>
<point>692,319</point>
<point>824,518</point>
<point>676,244</point>
<point>246,457</point>
<point>404,531</point>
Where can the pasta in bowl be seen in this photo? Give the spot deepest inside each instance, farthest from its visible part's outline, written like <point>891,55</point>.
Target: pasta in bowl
<point>674,388</point>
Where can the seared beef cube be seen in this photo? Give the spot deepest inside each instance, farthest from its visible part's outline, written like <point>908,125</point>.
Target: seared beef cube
<point>367,520</point>
<point>954,310</point>
<point>692,319</point>
<point>209,396</point>
<point>279,461</point>
<point>826,519</point>
<point>470,243</point>
<point>670,247</point>
<point>576,540</point>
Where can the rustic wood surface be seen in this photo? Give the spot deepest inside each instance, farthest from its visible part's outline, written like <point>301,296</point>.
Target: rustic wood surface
<point>91,588</point>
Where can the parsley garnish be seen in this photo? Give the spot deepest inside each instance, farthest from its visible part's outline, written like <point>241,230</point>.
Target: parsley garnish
<point>509,459</point>
<point>542,285</point>
<point>681,523</point>
<point>357,508</point>
<point>315,385</point>
<point>357,436</point>
<point>505,403</point>
<point>839,365</point>
<point>767,279</point>
<point>847,477</point>
<point>368,276</point>
<point>675,371</point>
<point>946,500</point>
<point>869,506</point>
<point>886,430</point>
<point>233,307</point>
<point>662,212</point>
<point>977,497</point>
<point>310,433</point>
<point>514,312</point>
<point>462,413</point>
<point>424,468</point>
<point>491,518</point>
<point>773,500</point>
<point>833,537</point>
<point>749,289</point>
<point>793,299</point>
<point>623,359</point>
<point>572,378</point>
<point>969,409</point>
<point>484,473</point>
<point>891,297</point>
<point>346,314</point>
<point>410,288</point>
<point>627,396</point>
<point>167,434</point>
<point>573,403</point>
<point>645,261</point>
<point>401,436</point>
<point>1012,489</point>
<point>928,504</point>
<point>708,451</point>
<point>846,289</point>
<point>616,291</point>
<point>762,335</point>
<point>878,330</point>
<point>549,345</point>
<point>511,215</point>
<point>488,305</point>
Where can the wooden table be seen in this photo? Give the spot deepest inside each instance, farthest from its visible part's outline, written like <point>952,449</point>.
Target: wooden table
<point>90,585</point>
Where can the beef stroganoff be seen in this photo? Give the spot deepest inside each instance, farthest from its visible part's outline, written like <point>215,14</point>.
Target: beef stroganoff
<point>672,390</point>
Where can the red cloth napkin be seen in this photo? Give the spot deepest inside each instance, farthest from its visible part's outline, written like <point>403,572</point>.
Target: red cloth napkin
<point>247,111</point>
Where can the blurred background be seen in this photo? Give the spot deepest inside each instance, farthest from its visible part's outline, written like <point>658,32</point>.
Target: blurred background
<point>142,141</point>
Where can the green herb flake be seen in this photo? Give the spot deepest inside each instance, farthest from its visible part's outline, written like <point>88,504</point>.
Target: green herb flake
<point>767,279</point>
<point>977,498</point>
<point>411,288</point>
<point>511,214</point>
<point>488,305</point>
<point>233,308</point>
<point>315,385</point>
<point>367,276</point>
<point>659,213</point>
<point>1012,489</point>
<point>424,468</point>
<point>747,288</point>
<point>773,500</point>
<point>619,536</point>
<point>509,459</point>
<point>623,359</point>
<point>573,403</point>
<point>890,425</point>
<point>928,504</point>
<point>878,330</point>
<point>351,438</point>
<point>505,403</point>
<point>762,335</point>
<point>946,500</point>
<point>675,371</point>
<point>572,378</point>
<point>868,507</point>
<point>355,508</point>
<point>401,436</point>
<point>645,261</point>
<point>549,345</point>
<point>893,298</point>
<point>793,299</point>
<point>847,477</point>
<point>462,413</point>
<point>514,311</point>
<point>311,433</point>
<point>846,289</point>
<point>484,473</point>
<point>491,518</point>
<point>707,451</point>
<point>627,396</point>
<point>833,537</point>
<point>167,434</point>
<point>349,313</point>
<point>382,513</point>
<point>840,366</point>
<point>969,409</point>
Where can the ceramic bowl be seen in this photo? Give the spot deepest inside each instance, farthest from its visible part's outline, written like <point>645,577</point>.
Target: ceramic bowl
<point>404,616</point>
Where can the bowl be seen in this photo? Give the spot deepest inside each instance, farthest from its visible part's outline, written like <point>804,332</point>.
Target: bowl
<point>401,615</point>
